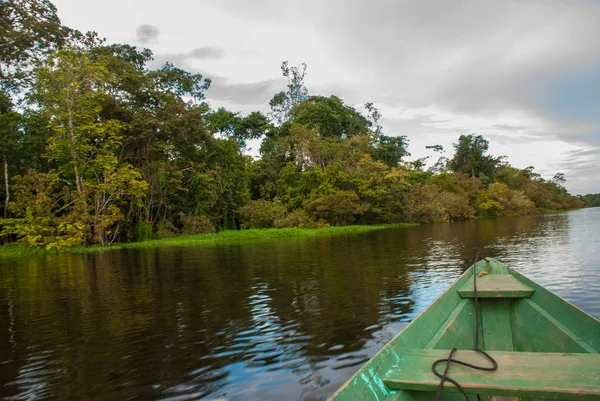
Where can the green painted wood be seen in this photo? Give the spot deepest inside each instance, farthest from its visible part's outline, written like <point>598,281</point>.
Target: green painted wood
<point>366,383</point>
<point>535,330</point>
<point>407,395</point>
<point>491,267</point>
<point>458,330</point>
<point>520,374</point>
<point>496,286</point>
<point>497,331</point>
<point>584,326</point>
<point>449,316</point>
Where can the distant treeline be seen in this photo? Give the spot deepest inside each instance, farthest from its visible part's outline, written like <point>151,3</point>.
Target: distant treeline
<point>590,200</point>
<point>97,147</point>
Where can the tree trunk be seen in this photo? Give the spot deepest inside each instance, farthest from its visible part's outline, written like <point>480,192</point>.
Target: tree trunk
<point>78,183</point>
<point>6,189</point>
<point>78,179</point>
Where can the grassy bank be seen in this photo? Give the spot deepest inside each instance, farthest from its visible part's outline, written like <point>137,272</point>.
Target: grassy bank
<point>206,239</point>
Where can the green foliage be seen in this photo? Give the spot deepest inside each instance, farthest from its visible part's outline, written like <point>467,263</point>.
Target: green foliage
<point>488,207</point>
<point>231,125</point>
<point>82,143</point>
<point>457,207</point>
<point>330,117</point>
<point>113,191</point>
<point>142,231</point>
<point>298,218</point>
<point>30,29</point>
<point>441,165</point>
<point>177,82</point>
<point>11,148</point>
<point>423,205</point>
<point>590,200</point>
<point>260,213</point>
<point>195,225</point>
<point>339,209</point>
<point>390,149</point>
<point>548,195</point>
<point>283,102</point>
<point>384,189</point>
<point>47,213</point>
<point>166,229</point>
<point>499,200</point>
<point>97,148</point>
<point>470,157</point>
<point>460,184</point>
<point>427,203</point>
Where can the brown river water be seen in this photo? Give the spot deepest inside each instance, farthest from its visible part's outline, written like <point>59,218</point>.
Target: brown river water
<point>266,320</point>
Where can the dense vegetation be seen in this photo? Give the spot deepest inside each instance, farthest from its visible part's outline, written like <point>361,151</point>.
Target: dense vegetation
<point>97,147</point>
<point>590,200</point>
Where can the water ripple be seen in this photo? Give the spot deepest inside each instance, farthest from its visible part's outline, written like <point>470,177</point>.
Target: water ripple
<point>289,319</point>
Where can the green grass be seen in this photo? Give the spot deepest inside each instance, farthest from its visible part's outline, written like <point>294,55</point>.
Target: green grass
<point>9,250</point>
<point>207,239</point>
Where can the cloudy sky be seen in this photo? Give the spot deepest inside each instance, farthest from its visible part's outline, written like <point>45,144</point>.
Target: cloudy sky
<point>524,74</point>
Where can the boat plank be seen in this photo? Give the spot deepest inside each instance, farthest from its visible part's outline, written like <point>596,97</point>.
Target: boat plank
<point>407,395</point>
<point>496,286</point>
<point>580,323</point>
<point>366,383</point>
<point>497,331</point>
<point>547,324</point>
<point>458,330</point>
<point>535,330</point>
<point>491,266</point>
<point>520,374</point>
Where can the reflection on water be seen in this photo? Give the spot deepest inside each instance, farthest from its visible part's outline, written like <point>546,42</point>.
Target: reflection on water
<point>285,319</point>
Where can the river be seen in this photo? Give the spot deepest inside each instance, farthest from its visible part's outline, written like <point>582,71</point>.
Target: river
<point>280,319</point>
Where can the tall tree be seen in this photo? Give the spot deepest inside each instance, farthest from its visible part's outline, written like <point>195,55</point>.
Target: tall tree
<point>374,117</point>
<point>230,125</point>
<point>70,90</point>
<point>390,149</point>
<point>29,31</point>
<point>470,157</point>
<point>9,145</point>
<point>283,102</point>
<point>330,117</point>
<point>441,164</point>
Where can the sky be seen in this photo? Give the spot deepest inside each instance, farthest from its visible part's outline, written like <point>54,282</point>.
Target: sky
<point>524,74</point>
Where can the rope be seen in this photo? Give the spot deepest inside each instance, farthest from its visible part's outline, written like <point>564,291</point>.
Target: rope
<point>450,360</point>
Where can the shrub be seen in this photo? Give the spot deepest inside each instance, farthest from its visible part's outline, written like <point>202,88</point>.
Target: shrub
<point>298,218</point>
<point>49,215</point>
<point>260,213</point>
<point>500,200</point>
<point>423,205</point>
<point>490,208</point>
<point>456,207</point>
<point>339,209</point>
<point>195,224</point>
<point>142,231</point>
<point>166,229</point>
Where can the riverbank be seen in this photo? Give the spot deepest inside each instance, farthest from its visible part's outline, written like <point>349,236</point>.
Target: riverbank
<point>231,236</point>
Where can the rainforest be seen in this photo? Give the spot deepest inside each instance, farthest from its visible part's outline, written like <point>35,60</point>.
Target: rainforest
<point>99,146</point>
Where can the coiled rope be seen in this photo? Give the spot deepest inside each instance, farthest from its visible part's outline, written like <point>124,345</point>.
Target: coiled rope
<point>444,377</point>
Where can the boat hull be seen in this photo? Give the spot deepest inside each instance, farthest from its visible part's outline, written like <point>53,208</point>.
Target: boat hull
<point>518,319</point>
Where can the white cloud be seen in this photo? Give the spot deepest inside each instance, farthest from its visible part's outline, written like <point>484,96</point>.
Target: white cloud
<point>436,69</point>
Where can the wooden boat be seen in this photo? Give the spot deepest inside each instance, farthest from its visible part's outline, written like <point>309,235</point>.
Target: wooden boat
<point>545,348</point>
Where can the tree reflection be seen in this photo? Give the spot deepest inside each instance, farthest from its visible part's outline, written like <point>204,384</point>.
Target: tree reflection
<point>227,319</point>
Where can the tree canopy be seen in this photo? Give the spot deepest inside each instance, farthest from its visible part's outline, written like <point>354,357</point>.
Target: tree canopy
<point>470,157</point>
<point>98,147</point>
